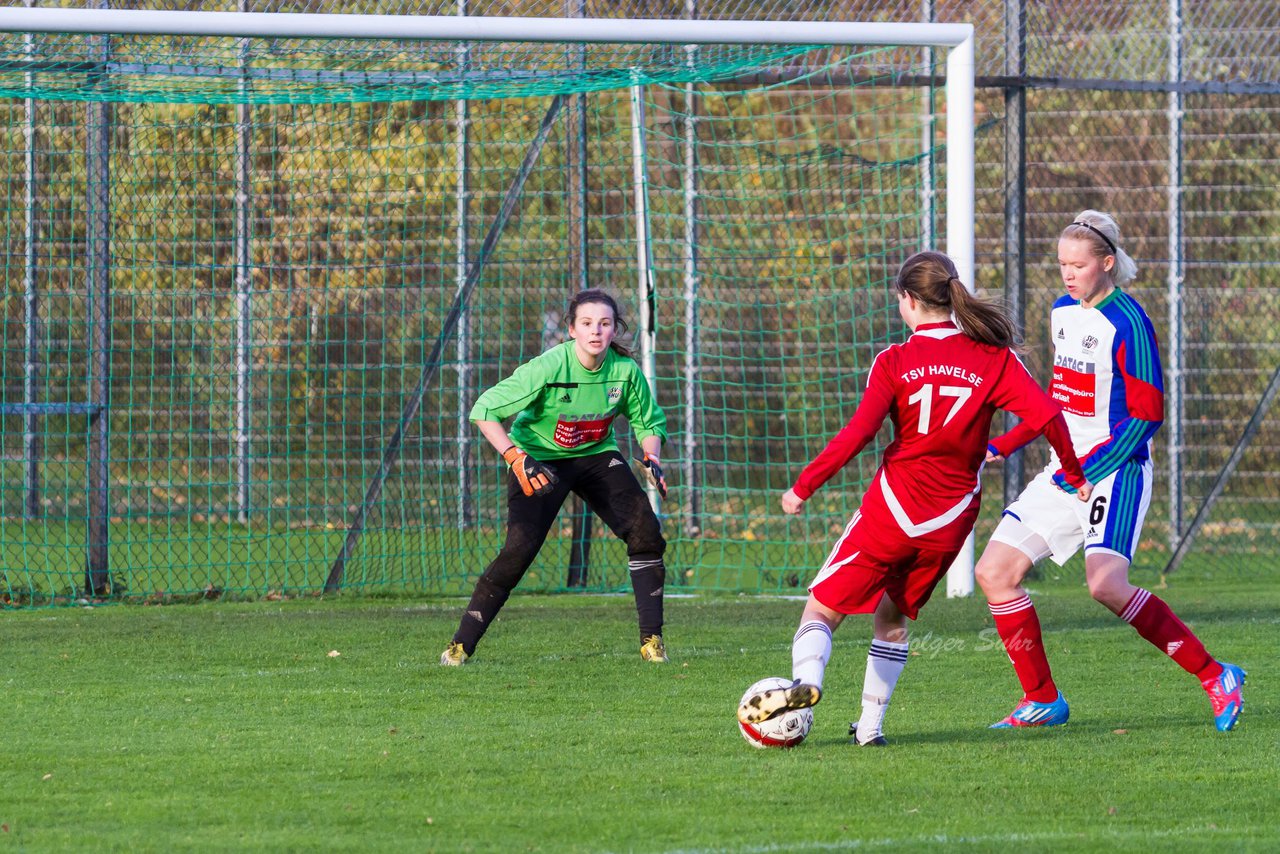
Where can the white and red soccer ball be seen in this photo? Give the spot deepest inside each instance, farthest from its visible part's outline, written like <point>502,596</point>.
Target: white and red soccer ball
<point>786,730</point>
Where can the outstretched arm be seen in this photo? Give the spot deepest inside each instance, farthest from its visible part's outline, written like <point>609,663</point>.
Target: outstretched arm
<point>1004,445</point>
<point>851,439</point>
<point>1020,394</point>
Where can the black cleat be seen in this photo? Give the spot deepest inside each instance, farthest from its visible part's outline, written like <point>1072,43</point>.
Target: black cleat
<point>877,740</point>
<point>767,705</point>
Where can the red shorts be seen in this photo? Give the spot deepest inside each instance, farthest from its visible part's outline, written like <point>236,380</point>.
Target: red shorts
<point>869,561</point>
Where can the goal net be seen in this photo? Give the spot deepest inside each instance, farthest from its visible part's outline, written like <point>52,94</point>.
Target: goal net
<point>258,267</point>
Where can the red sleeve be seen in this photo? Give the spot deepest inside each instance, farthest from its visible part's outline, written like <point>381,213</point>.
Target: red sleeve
<point>855,435</point>
<point>1020,435</point>
<point>1019,393</point>
<point>1060,438</point>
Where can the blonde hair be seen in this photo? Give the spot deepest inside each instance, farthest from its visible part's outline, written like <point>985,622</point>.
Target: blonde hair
<point>1101,232</point>
<point>933,280</point>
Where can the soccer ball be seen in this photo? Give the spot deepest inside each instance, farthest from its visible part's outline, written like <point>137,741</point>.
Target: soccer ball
<point>786,730</point>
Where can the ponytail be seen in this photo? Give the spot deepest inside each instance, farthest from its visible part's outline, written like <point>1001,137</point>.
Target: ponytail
<point>933,280</point>
<point>984,321</point>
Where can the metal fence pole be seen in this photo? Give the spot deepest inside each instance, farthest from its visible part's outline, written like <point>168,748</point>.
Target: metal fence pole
<point>928,193</point>
<point>30,296</point>
<point>1175,392</point>
<point>98,287</point>
<point>693,521</point>
<point>1015,201</point>
<point>462,206</point>
<point>243,305</point>
<point>580,520</point>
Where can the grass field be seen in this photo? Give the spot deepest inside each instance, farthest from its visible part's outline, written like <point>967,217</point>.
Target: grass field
<point>235,726</point>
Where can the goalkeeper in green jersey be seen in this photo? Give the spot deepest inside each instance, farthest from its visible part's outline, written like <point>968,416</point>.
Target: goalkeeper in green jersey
<point>561,441</point>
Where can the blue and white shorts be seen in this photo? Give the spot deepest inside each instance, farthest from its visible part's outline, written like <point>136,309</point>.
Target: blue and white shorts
<point>1045,522</point>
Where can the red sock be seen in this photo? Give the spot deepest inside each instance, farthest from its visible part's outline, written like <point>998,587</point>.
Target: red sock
<point>1153,619</point>
<point>1019,628</point>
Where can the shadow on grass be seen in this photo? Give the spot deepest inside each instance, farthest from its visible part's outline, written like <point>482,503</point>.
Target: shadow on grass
<point>1160,727</point>
<point>1064,609</point>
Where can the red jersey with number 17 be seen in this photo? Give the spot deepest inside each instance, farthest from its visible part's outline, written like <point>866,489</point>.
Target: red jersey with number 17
<point>941,389</point>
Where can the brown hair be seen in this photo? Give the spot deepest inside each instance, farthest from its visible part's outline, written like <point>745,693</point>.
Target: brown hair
<point>595,295</point>
<point>933,280</point>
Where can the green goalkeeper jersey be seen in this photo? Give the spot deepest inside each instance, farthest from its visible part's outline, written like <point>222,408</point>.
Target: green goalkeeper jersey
<point>565,410</point>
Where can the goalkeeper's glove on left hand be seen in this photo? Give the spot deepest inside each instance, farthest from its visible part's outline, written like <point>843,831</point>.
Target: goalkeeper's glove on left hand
<point>535,478</point>
<point>654,469</point>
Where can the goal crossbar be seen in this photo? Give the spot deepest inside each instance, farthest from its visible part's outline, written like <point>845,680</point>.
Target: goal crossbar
<point>474,28</point>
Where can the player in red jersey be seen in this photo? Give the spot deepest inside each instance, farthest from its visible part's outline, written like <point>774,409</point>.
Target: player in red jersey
<point>940,389</point>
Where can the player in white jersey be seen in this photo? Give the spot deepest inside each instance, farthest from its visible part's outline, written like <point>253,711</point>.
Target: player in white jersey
<point>1107,378</point>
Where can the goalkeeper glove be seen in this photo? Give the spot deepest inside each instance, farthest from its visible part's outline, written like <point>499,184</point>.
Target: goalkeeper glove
<point>654,470</point>
<point>535,478</point>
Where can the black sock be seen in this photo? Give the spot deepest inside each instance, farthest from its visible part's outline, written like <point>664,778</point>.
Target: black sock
<point>486,601</point>
<point>647,577</point>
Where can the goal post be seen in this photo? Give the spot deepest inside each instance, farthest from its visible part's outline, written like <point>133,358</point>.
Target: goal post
<point>743,175</point>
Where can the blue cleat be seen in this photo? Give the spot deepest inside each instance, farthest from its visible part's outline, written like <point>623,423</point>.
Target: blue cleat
<point>1029,713</point>
<point>1224,693</point>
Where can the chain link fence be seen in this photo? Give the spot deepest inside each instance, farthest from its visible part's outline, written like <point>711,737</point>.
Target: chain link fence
<point>1166,114</point>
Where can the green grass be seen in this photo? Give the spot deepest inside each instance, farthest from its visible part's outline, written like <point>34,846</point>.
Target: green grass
<point>230,726</point>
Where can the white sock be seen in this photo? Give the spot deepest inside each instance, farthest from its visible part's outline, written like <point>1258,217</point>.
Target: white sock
<point>884,665</point>
<point>810,652</point>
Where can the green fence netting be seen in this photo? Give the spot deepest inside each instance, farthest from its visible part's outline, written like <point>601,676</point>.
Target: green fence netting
<point>289,223</point>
